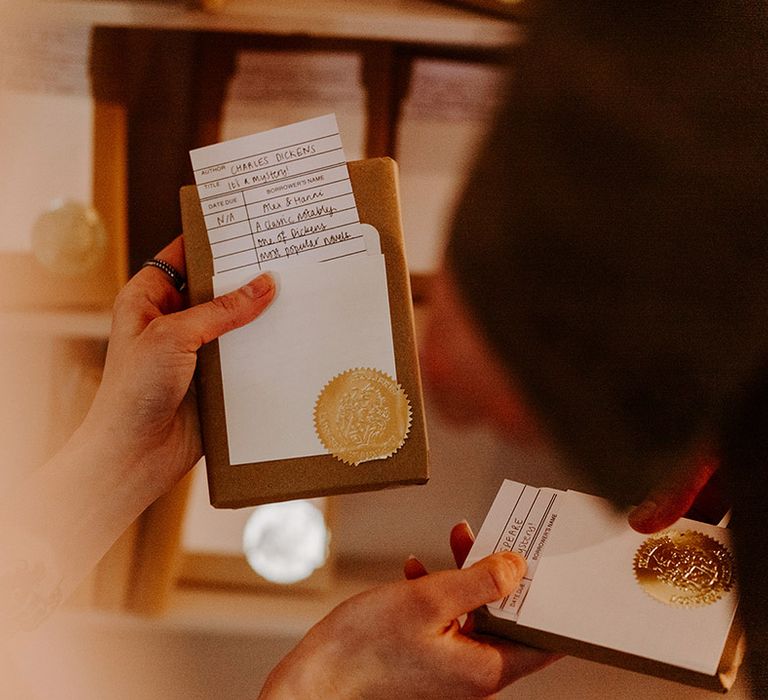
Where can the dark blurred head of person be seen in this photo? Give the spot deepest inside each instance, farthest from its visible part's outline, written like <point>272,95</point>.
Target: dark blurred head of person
<point>606,284</point>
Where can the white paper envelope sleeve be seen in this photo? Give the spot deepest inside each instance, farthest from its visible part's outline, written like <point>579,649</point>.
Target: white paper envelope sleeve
<point>325,319</point>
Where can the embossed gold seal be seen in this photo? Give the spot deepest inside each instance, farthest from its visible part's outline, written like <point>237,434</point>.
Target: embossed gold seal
<point>685,569</point>
<point>362,415</point>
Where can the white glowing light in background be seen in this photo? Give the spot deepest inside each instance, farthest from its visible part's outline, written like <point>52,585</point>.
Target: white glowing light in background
<point>286,542</point>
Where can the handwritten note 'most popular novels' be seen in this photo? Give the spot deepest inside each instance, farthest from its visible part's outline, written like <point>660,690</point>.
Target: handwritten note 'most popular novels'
<point>279,197</point>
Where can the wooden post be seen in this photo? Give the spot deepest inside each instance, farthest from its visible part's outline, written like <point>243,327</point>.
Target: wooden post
<point>385,76</point>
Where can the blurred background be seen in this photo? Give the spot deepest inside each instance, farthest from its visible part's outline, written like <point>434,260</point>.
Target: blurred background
<point>99,104</point>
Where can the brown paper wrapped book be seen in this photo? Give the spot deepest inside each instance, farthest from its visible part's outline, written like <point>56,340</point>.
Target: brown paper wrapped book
<point>374,184</point>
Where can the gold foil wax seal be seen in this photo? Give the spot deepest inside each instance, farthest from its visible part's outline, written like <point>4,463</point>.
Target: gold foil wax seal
<point>362,415</point>
<point>684,569</point>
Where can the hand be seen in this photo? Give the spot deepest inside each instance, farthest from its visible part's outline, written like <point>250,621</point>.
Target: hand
<point>461,540</point>
<point>695,490</point>
<point>145,407</point>
<point>403,640</point>
<point>141,433</point>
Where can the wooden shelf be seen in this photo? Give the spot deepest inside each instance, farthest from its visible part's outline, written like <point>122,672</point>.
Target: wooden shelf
<point>419,22</point>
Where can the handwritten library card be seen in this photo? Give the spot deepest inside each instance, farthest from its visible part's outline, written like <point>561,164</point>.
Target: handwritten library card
<point>668,597</point>
<point>281,201</point>
<point>278,198</point>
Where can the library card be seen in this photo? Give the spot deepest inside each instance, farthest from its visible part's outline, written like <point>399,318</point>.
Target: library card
<point>520,520</point>
<point>278,198</point>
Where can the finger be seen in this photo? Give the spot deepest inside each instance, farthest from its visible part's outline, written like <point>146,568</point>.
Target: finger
<point>495,663</point>
<point>200,324</point>
<point>149,294</point>
<point>672,499</point>
<point>454,593</point>
<point>713,502</point>
<point>173,254</point>
<point>462,538</point>
<point>413,568</point>
<point>156,284</point>
<point>468,626</point>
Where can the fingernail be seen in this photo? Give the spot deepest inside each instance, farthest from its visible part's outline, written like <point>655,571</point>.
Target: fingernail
<point>641,514</point>
<point>412,556</point>
<point>259,287</point>
<point>469,527</point>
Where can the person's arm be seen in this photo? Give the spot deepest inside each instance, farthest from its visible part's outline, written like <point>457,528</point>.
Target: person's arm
<point>139,438</point>
<point>142,435</point>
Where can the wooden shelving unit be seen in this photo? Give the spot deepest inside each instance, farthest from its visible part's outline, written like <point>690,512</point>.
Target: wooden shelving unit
<point>401,21</point>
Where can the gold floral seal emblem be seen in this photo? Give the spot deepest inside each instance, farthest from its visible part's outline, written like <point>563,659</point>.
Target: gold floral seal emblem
<point>685,569</point>
<point>362,415</point>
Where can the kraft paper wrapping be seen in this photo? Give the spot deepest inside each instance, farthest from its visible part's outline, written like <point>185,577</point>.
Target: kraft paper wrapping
<point>234,486</point>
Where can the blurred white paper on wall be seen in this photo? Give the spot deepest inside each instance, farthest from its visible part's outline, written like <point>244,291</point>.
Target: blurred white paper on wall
<point>446,115</point>
<point>271,88</point>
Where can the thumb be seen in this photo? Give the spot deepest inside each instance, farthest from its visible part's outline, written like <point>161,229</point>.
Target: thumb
<point>458,592</point>
<point>200,324</point>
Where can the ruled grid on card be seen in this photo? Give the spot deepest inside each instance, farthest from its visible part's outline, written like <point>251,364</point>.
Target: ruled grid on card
<point>520,520</point>
<point>278,198</point>
<point>526,532</point>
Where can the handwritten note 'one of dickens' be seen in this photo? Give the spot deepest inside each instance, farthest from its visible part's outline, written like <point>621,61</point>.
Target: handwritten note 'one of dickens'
<point>278,198</point>
<point>282,201</point>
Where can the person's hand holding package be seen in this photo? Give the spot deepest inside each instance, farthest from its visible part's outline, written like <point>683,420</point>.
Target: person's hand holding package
<point>404,640</point>
<point>145,405</point>
<point>140,436</point>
